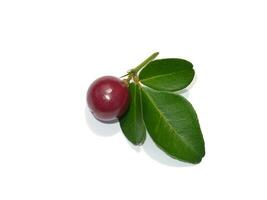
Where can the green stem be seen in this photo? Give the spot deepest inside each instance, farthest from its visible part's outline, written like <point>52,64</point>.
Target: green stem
<point>124,75</point>
<point>144,63</point>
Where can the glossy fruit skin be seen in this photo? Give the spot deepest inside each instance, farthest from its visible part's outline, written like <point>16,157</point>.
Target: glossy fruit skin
<point>108,98</point>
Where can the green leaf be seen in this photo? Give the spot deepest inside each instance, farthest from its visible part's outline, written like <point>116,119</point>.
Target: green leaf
<point>173,125</point>
<point>131,122</point>
<point>170,74</point>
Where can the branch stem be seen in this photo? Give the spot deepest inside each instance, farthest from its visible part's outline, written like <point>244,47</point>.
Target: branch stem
<point>144,63</point>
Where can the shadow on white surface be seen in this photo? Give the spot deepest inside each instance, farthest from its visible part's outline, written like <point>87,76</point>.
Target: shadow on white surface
<point>185,92</point>
<point>138,149</point>
<point>101,128</point>
<point>158,155</point>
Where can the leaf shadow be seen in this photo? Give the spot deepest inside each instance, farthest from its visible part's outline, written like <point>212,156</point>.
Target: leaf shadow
<point>103,129</point>
<point>136,148</point>
<point>185,92</point>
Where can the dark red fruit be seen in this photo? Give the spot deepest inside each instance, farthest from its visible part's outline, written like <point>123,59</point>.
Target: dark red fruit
<point>108,98</point>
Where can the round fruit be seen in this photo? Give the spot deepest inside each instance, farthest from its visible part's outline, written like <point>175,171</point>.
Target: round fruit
<point>108,98</point>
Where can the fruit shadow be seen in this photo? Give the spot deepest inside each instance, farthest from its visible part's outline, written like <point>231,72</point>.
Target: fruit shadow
<point>103,129</point>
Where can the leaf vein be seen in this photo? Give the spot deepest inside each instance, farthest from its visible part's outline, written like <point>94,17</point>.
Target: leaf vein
<point>168,123</point>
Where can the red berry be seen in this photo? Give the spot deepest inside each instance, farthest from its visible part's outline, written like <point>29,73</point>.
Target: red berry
<point>108,98</point>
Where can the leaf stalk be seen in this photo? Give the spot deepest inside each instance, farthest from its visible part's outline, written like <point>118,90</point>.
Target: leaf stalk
<point>144,63</point>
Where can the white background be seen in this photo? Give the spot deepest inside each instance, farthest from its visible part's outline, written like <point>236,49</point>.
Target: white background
<point>52,148</point>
